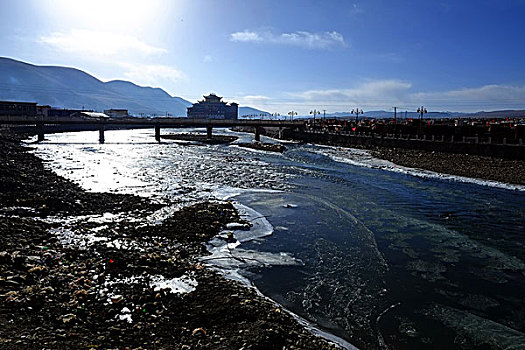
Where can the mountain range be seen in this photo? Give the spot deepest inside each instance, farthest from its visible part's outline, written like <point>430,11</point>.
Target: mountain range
<point>429,115</point>
<point>71,88</point>
<point>400,114</point>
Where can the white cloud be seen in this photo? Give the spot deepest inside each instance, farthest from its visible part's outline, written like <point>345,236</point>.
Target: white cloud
<point>500,94</point>
<point>261,102</point>
<point>255,98</point>
<point>99,43</point>
<point>245,36</point>
<point>355,10</point>
<point>256,101</point>
<point>384,94</point>
<point>152,74</point>
<point>371,94</point>
<point>300,38</point>
<point>207,59</point>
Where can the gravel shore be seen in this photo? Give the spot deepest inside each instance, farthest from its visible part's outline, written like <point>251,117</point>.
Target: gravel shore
<point>88,270</point>
<point>480,167</point>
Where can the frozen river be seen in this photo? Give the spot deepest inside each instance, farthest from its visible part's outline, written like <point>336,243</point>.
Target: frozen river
<point>380,255</point>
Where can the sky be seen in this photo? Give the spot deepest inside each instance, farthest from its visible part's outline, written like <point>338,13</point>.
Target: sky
<point>286,55</point>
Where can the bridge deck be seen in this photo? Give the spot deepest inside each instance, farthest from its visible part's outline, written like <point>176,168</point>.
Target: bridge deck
<point>161,122</point>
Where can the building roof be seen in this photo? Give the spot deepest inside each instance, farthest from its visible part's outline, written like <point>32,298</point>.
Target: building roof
<point>212,96</point>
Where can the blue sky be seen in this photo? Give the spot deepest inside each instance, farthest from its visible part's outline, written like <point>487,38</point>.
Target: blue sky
<point>287,55</point>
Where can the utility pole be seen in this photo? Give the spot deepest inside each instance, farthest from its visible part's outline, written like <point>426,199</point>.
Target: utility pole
<point>315,112</point>
<point>291,114</point>
<point>421,110</point>
<point>395,115</point>
<point>357,111</point>
<point>395,121</point>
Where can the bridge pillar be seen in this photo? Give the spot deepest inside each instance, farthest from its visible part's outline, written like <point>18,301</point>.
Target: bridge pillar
<point>258,133</point>
<point>157,133</point>
<point>101,129</point>
<point>280,132</point>
<point>209,130</point>
<point>40,131</point>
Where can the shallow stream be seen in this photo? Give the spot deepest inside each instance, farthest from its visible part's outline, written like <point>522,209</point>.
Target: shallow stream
<point>380,255</point>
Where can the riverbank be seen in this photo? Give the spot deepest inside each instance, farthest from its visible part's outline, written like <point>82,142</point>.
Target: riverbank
<point>82,269</point>
<point>467,165</point>
<point>510,171</point>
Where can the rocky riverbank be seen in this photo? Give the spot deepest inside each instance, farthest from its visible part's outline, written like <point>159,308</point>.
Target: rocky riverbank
<point>473,166</point>
<point>93,270</point>
<point>511,171</point>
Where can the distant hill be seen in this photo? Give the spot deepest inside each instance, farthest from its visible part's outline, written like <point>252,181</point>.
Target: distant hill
<point>72,88</point>
<point>499,114</point>
<point>400,114</point>
<point>433,115</point>
<point>248,111</point>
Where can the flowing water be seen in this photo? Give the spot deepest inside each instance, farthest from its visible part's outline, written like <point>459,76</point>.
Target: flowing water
<point>380,255</point>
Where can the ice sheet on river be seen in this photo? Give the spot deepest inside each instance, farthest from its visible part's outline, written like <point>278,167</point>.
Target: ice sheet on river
<point>228,257</point>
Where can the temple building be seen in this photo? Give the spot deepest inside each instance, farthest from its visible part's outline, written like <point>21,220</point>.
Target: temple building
<point>213,108</point>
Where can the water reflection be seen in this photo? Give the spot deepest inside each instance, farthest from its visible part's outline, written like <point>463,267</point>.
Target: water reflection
<point>382,256</point>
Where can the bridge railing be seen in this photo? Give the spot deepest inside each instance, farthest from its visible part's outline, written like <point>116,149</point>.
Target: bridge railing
<point>149,121</point>
<point>157,123</point>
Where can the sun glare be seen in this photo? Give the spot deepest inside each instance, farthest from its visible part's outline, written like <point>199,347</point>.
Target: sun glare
<point>119,15</point>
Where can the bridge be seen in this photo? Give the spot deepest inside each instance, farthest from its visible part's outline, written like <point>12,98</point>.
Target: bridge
<point>157,123</point>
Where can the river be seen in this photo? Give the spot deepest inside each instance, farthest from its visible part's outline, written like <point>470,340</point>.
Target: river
<point>380,255</point>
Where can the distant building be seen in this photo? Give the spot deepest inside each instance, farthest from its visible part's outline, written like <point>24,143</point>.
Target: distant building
<point>117,113</point>
<point>43,110</point>
<point>64,113</point>
<point>18,108</point>
<point>213,108</point>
